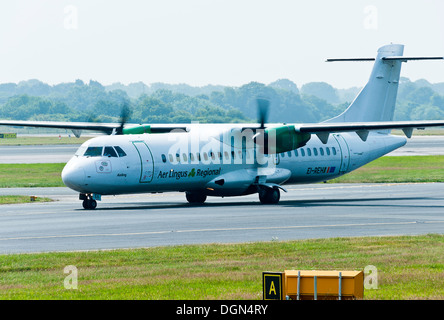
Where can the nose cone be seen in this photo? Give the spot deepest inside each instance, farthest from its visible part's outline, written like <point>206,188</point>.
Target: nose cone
<point>73,177</point>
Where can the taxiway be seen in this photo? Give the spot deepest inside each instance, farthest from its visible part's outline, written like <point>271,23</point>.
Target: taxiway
<point>309,211</point>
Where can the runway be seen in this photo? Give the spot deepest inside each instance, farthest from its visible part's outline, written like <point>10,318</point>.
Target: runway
<point>309,211</point>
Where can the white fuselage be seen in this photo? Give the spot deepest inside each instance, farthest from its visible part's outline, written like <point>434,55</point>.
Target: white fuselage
<point>189,162</point>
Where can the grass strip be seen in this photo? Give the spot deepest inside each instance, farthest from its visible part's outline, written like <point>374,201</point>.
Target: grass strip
<point>408,267</point>
<point>398,170</point>
<point>42,140</point>
<point>22,199</point>
<point>31,175</point>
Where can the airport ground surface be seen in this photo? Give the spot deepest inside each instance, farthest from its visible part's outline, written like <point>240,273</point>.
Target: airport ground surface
<point>309,211</point>
<point>313,211</point>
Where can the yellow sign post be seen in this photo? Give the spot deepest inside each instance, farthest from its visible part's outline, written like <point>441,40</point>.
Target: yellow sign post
<point>272,283</point>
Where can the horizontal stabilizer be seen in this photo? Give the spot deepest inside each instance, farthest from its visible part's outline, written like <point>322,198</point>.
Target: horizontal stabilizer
<point>393,58</point>
<point>405,59</point>
<point>350,59</point>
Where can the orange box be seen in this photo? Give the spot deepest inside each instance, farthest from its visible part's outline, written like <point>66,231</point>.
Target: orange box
<point>327,284</point>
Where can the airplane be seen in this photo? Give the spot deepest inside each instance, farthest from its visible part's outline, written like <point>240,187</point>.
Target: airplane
<point>225,160</point>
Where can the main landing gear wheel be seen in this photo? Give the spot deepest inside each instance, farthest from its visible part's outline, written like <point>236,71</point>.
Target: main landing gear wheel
<point>89,204</point>
<point>269,195</point>
<point>195,198</point>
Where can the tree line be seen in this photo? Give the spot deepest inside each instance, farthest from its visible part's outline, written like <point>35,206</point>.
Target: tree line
<point>182,103</point>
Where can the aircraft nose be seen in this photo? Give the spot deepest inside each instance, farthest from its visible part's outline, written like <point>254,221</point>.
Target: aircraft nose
<point>73,177</point>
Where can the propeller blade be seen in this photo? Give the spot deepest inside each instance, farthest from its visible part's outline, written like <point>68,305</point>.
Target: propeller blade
<point>262,108</point>
<point>124,116</point>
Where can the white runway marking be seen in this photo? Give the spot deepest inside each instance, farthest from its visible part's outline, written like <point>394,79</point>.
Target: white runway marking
<point>218,230</point>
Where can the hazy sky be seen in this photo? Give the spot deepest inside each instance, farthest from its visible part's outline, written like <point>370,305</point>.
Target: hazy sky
<point>225,42</point>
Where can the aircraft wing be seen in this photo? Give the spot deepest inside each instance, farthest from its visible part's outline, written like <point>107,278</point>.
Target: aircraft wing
<point>107,128</point>
<point>103,127</point>
<point>322,130</point>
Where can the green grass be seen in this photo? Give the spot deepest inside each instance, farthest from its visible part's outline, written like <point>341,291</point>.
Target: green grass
<point>425,132</point>
<point>398,170</point>
<point>21,199</point>
<point>42,140</point>
<point>409,267</point>
<point>31,175</point>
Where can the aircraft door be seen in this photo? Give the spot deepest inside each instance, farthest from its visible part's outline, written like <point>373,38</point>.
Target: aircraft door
<point>345,153</point>
<point>146,161</point>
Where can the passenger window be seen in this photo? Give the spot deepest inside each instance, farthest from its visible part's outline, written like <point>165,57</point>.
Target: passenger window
<point>184,157</point>
<point>120,151</point>
<point>178,157</point>
<point>315,151</point>
<point>164,159</point>
<point>289,153</point>
<point>302,153</point>
<point>191,156</point>
<point>295,153</point>
<point>110,152</point>
<point>93,152</point>
<point>170,156</point>
<point>309,152</point>
<point>205,156</point>
<point>334,150</point>
<point>227,157</point>
<point>321,150</point>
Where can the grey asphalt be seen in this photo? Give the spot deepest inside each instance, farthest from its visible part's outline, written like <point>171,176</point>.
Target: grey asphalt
<point>309,211</point>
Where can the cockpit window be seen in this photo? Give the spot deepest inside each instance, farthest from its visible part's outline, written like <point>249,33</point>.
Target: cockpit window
<point>93,152</point>
<point>109,152</point>
<point>120,151</point>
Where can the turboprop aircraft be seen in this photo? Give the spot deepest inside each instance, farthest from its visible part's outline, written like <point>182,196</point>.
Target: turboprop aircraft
<point>240,159</point>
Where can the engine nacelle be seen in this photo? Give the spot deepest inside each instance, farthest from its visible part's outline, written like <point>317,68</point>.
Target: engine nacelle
<point>140,129</point>
<point>145,128</point>
<point>281,139</point>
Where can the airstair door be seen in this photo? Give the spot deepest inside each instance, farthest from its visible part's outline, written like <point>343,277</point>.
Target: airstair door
<point>146,162</point>
<point>345,153</point>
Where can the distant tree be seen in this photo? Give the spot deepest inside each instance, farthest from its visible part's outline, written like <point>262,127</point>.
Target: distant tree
<point>438,101</point>
<point>321,90</point>
<point>425,112</point>
<point>421,95</point>
<point>285,84</point>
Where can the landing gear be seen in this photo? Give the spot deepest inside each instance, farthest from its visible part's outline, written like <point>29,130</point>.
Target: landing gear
<point>269,195</point>
<point>89,204</point>
<point>195,198</point>
<point>89,200</point>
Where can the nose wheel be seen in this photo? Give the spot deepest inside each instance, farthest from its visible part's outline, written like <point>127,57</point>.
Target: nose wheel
<point>89,200</point>
<point>89,204</point>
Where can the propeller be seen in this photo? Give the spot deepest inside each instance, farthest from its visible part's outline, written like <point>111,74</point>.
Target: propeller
<point>124,116</point>
<point>262,109</point>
